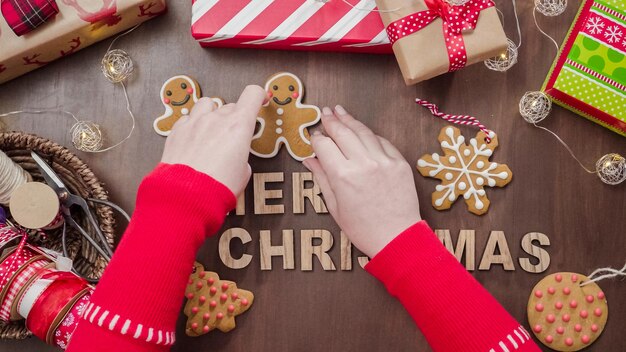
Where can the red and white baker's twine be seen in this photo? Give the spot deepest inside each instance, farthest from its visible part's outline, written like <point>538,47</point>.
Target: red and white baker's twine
<point>456,119</point>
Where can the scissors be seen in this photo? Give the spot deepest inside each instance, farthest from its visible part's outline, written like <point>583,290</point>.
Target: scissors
<point>69,201</point>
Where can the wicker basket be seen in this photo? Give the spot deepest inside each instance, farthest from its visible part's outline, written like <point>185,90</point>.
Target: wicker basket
<point>80,180</point>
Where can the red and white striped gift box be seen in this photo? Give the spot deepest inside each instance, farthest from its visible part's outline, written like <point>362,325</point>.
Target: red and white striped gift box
<point>290,24</point>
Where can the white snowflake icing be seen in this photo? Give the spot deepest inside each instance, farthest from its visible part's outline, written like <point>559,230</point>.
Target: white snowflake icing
<point>68,336</point>
<point>62,344</point>
<point>69,320</point>
<point>595,25</point>
<point>57,333</point>
<point>613,34</point>
<point>80,308</point>
<point>463,170</point>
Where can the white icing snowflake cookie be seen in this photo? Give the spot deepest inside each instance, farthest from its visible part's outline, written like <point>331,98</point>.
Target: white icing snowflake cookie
<point>464,170</point>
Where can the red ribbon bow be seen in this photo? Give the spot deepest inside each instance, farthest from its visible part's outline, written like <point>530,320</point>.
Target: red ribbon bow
<point>456,20</point>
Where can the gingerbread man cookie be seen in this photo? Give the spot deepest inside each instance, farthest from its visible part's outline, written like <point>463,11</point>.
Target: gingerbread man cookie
<point>464,170</point>
<point>564,315</point>
<point>179,94</point>
<point>213,303</point>
<point>284,119</point>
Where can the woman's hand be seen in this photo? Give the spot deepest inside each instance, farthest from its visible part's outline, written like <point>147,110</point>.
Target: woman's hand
<point>217,142</point>
<point>367,185</point>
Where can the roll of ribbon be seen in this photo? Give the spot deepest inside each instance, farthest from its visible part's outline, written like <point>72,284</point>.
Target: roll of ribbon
<point>8,236</point>
<point>25,15</point>
<point>31,294</point>
<point>36,205</point>
<point>15,315</point>
<point>54,303</point>
<point>10,264</point>
<point>57,323</point>
<point>21,279</point>
<point>66,329</point>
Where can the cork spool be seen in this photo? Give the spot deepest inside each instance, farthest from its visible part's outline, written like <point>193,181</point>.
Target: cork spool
<point>35,205</point>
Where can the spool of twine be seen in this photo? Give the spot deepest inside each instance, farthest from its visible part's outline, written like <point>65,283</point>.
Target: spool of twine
<point>11,177</point>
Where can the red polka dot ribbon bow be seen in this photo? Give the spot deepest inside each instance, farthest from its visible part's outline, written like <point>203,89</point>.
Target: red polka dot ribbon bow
<point>456,20</point>
<point>25,15</point>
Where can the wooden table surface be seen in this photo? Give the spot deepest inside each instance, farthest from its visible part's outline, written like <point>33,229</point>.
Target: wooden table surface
<point>339,310</point>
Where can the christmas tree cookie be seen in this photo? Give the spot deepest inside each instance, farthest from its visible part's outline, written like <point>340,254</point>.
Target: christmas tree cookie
<point>212,302</point>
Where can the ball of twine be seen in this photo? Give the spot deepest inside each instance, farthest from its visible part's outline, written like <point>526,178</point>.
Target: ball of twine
<point>11,176</point>
<point>457,2</point>
<point>535,106</point>
<point>117,66</point>
<point>86,136</point>
<point>550,7</point>
<point>504,61</point>
<point>611,169</point>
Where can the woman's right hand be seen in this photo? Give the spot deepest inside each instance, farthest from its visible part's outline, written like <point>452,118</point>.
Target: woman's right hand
<point>367,184</point>
<point>217,141</point>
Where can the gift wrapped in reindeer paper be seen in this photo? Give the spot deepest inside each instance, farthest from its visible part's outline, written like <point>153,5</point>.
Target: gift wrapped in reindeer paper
<point>78,24</point>
<point>432,37</point>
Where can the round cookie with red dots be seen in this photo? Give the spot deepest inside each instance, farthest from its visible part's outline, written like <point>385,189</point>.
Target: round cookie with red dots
<point>564,315</point>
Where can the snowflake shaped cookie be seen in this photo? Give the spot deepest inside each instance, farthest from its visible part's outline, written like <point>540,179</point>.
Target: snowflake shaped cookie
<point>464,170</point>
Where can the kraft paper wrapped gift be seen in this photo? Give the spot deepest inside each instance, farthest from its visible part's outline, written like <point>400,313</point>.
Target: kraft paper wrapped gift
<point>78,24</point>
<point>423,53</point>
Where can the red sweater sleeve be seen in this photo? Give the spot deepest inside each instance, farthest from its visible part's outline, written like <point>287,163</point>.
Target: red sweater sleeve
<point>453,311</point>
<point>137,302</point>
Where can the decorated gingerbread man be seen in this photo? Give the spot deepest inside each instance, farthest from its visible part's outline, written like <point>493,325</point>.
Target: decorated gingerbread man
<point>284,119</point>
<point>179,94</point>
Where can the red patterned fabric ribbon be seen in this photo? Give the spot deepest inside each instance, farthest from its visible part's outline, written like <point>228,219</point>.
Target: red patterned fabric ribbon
<point>25,15</point>
<point>64,332</point>
<point>456,20</point>
<point>56,299</point>
<point>17,284</point>
<point>14,261</point>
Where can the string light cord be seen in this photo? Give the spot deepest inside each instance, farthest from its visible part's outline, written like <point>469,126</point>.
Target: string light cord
<point>117,67</point>
<point>542,31</point>
<point>82,130</point>
<point>39,111</point>
<point>567,147</point>
<point>508,59</point>
<point>121,35</point>
<point>519,29</point>
<point>132,128</point>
